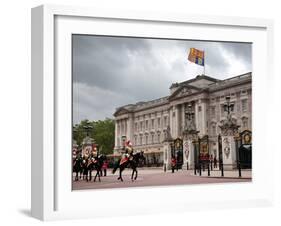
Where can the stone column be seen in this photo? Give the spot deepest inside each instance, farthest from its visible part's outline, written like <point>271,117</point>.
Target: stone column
<point>197,118</point>
<point>186,153</point>
<point>228,152</point>
<point>116,133</point>
<point>229,128</point>
<point>130,123</point>
<point>188,149</point>
<point>183,117</point>
<point>172,120</point>
<point>203,128</point>
<point>177,121</point>
<point>167,155</point>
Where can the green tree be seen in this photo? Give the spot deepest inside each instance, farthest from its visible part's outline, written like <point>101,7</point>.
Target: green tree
<point>102,131</point>
<point>104,135</point>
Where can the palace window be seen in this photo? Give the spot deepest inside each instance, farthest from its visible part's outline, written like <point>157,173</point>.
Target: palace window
<point>136,139</point>
<point>152,138</point>
<point>158,137</point>
<point>158,122</point>
<point>245,122</point>
<point>165,121</point>
<point>146,124</point>
<point>146,139</point>
<point>152,123</point>
<point>141,126</point>
<point>244,105</point>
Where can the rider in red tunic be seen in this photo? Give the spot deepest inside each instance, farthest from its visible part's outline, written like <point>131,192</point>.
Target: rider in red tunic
<point>128,152</point>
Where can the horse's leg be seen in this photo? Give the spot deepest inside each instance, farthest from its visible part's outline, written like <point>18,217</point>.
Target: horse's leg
<point>90,175</point>
<point>87,175</point>
<point>96,176</point>
<point>136,173</point>
<point>120,174</point>
<point>99,171</point>
<point>76,176</point>
<point>132,174</point>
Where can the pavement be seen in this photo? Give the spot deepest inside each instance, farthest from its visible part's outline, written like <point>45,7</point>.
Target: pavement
<point>157,177</point>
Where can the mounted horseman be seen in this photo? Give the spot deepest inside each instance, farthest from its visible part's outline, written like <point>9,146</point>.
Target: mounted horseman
<point>129,160</point>
<point>77,164</point>
<point>96,163</point>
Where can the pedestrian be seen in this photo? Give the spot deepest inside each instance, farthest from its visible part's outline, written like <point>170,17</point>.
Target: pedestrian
<point>215,162</point>
<point>173,164</point>
<point>104,167</point>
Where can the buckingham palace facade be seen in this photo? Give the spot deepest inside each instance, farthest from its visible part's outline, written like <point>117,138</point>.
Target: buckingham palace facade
<point>145,124</point>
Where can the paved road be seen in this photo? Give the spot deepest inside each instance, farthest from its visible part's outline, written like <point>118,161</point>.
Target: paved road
<point>156,177</point>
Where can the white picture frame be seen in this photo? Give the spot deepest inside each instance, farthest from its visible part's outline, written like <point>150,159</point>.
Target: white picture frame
<point>52,197</point>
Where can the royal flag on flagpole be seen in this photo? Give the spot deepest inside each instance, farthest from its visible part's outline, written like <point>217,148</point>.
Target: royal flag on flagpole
<point>196,56</point>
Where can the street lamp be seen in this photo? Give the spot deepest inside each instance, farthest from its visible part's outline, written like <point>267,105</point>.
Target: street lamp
<point>228,107</point>
<point>172,145</point>
<point>195,143</point>
<point>220,155</point>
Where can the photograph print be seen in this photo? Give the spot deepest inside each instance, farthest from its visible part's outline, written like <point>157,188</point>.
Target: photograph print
<point>160,112</point>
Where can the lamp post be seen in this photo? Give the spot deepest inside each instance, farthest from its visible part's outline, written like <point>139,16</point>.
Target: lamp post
<point>228,107</point>
<point>220,155</point>
<point>172,146</point>
<point>195,143</point>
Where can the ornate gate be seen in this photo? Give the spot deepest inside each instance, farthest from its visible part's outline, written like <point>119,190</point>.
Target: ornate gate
<point>204,148</point>
<point>245,149</point>
<point>220,151</point>
<point>178,152</point>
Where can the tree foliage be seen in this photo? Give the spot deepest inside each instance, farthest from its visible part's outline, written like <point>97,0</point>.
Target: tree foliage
<point>102,131</point>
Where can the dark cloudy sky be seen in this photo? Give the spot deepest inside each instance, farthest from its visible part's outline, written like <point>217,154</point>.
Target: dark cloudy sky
<point>109,72</point>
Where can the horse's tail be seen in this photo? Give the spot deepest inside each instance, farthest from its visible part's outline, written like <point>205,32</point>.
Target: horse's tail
<point>116,167</point>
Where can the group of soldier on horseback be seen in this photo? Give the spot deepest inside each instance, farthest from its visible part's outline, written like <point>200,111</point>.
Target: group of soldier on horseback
<point>85,164</point>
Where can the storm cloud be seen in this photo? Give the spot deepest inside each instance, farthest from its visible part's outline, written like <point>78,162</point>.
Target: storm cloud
<point>109,72</point>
